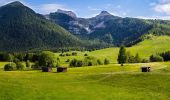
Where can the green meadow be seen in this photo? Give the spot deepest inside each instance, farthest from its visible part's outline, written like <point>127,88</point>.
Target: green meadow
<point>110,82</point>
<point>104,82</point>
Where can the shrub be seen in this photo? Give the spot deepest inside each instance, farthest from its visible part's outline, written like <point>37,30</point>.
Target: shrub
<point>90,61</point>
<point>86,54</point>
<point>16,60</point>
<point>62,55</point>
<point>74,54</point>
<point>145,61</point>
<point>133,59</point>
<point>106,61</point>
<point>20,66</point>
<point>67,54</point>
<point>10,67</point>
<point>99,62</point>
<point>79,63</point>
<point>73,63</point>
<point>68,60</point>
<point>166,56</point>
<point>156,58</point>
<point>28,64</point>
<point>36,66</point>
<point>49,59</point>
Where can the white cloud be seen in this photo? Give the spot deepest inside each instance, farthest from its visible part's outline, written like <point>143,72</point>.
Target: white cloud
<point>94,9</point>
<point>164,1</point>
<point>162,6</point>
<point>154,17</point>
<point>43,8</point>
<point>48,8</point>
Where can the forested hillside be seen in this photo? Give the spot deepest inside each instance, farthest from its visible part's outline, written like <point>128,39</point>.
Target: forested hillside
<point>21,29</point>
<point>111,29</point>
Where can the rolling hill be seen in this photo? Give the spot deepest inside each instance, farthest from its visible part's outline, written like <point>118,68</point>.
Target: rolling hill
<point>153,45</point>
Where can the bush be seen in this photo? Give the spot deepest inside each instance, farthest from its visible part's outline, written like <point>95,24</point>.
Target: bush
<point>10,67</point>
<point>48,59</point>
<point>28,64</point>
<point>99,62</point>
<point>106,61</point>
<point>86,54</point>
<point>67,54</point>
<point>62,55</point>
<point>20,66</point>
<point>36,66</point>
<point>68,60</point>
<point>133,59</point>
<point>74,54</point>
<point>73,63</point>
<point>166,56</point>
<point>90,61</point>
<point>16,60</point>
<point>79,63</point>
<point>145,61</point>
<point>156,58</point>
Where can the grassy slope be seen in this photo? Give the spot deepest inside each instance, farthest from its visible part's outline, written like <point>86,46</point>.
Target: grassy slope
<point>145,48</point>
<point>90,83</point>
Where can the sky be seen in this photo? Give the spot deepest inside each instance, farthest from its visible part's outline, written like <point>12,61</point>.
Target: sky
<point>147,9</point>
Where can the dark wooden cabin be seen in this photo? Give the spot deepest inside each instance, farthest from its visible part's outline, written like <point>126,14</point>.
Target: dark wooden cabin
<point>46,69</point>
<point>146,69</point>
<point>61,69</point>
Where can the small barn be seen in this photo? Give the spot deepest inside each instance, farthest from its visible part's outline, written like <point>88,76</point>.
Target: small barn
<point>46,69</point>
<point>146,69</point>
<point>61,69</point>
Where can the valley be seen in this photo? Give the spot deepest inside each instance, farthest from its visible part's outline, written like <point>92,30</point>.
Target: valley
<point>61,56</point>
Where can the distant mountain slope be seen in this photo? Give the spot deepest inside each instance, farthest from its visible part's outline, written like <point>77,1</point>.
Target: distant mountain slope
<point>22,29</point>
<point>127,31</point>
<point>69,21</point>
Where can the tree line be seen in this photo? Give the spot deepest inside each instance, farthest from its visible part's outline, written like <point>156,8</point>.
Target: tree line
<point>126,57</point>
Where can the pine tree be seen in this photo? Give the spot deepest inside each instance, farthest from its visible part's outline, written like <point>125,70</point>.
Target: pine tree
<point>137,58</point>
<point>122,57</point>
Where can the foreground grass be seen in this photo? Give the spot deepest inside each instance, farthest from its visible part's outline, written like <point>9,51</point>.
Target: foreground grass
<point>110,82</point>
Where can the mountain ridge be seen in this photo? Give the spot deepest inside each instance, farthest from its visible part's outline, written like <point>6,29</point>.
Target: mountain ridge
<point>22,29</point>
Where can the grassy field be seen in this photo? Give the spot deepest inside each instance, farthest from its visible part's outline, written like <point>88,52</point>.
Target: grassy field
<point>105,82</point>
<point>110,82</point>
<point>145,49</point>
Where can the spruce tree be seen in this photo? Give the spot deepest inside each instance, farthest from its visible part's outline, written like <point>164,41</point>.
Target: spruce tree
<point>137,58</point>
<point>122,57</point>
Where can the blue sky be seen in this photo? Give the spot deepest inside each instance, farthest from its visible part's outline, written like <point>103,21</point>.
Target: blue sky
<point>159,9</point>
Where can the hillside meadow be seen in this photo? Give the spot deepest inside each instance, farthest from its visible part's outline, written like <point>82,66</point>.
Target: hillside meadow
<point>145,49</point>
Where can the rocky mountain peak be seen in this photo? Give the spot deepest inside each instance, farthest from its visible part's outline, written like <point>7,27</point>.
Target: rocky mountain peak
<point>104,13</point>
<point>70,13</point>
<point>15,3</point>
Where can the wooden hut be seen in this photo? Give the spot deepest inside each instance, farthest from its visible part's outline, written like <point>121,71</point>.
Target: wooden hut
<point>46,69</point>
<point>61,69</point>
<point>146,69</point>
